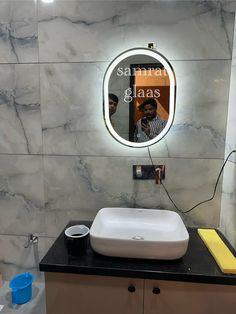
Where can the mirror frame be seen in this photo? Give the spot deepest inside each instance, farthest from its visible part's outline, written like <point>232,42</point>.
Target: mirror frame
<point>169,69</point>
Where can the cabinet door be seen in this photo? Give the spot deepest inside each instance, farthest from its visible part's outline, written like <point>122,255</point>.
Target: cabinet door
<point>169,297</point>
<point>86,294</point>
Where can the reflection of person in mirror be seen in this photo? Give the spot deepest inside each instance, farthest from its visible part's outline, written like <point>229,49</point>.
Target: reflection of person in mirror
<point>150,125</point>
<point>113,102</point>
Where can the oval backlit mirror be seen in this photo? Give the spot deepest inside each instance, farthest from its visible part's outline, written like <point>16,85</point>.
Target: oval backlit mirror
<point>139,97</point>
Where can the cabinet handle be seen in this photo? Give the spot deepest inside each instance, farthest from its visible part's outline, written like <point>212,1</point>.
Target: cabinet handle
<point>131,288</point>
<point>156,290</point>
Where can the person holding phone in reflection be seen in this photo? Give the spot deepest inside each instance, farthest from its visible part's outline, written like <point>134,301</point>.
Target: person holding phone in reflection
<point>113,102</point>
<point>150,125</point>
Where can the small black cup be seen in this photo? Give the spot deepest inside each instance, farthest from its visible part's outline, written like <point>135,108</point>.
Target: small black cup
<point>76,239</point>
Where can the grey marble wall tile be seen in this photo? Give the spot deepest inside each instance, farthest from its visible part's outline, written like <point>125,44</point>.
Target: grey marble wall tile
<point>74,115</point>
<point>15,258</point>
<point>228,204</point>
<point>76,188</point>
<point>231,121</point>
<point>21,195</point>
<point>229,5</point>
<point>20,117</point>
<point>18,32</point>
<point>189,182</point>
<point>95,31</point>
<point>18,11</point>
<point>71,96</point>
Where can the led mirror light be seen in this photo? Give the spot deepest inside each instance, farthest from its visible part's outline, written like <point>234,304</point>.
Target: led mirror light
<point>47,1</point>
<point>134,76</point>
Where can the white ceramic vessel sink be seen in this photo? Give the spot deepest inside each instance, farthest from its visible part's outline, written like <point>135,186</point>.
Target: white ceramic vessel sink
<point>139,233</point>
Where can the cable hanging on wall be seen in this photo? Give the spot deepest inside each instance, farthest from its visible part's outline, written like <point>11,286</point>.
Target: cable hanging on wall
<point>202,202</point>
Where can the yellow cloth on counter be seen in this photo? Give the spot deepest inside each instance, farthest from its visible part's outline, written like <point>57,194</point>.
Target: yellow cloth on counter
<point>222,255</point>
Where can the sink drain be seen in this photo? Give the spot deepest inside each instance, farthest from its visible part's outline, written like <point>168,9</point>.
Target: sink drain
<point>137,238</point>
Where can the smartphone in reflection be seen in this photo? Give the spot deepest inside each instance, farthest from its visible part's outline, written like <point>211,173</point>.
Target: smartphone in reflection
<point>144,121</point>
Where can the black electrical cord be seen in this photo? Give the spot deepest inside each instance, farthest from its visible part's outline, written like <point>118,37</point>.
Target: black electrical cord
<point>207,200</point>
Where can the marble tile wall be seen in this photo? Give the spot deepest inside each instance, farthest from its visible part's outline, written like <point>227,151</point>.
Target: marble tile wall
<point>57,160</point>
<point>228,202</point>
<point>20,116</point>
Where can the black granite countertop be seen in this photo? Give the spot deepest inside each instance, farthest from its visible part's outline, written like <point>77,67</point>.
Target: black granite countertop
<point>197,265</point>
